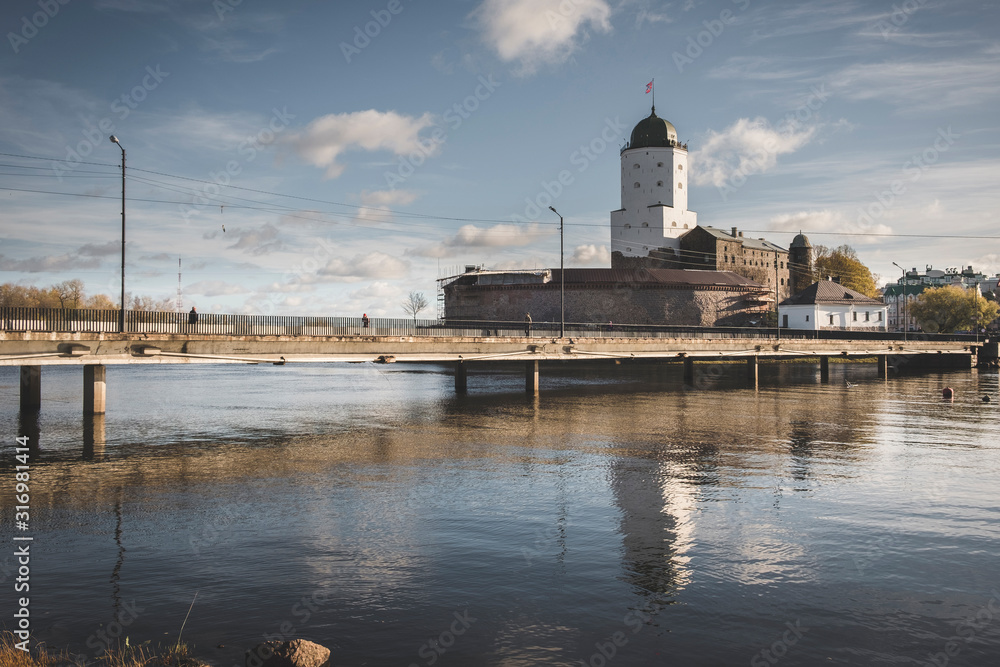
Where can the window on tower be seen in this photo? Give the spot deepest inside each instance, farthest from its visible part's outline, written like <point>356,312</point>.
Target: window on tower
<point>659,184</point>
<point>659,164</point>
<point>680,186</point>
<point>636,184</point>
<point>680,167</point>
<point>635,166</point>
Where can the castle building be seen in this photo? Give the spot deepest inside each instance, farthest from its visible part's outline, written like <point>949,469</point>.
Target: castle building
<point>654,194</point>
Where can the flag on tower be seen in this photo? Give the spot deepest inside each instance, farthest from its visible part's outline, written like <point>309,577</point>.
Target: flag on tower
<point>649,87</point>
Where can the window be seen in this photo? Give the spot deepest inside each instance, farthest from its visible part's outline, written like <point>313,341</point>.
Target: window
<point>879,318</point>
<point>628,226</point>
<point>831,318</point>
<point>680,186</point>
<point>635,166</point>
<point>636,184</point>
<point>628,249</point>
<point>807,318</point>
<point>685,226</point>
<point>868,316</point>
<point>673,224</point>
<point>659,164</point>
<point>782,265</point>
<point>680,167</point>
<point>645,224</point>
<point>659,184</point>
<point>854,317</point>
<point>782,281</point>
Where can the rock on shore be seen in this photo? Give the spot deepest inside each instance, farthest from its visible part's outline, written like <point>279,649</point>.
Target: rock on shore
<point>296,653</point>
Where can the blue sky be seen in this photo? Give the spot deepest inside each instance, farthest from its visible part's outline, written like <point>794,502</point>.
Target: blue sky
<point>328,158</point>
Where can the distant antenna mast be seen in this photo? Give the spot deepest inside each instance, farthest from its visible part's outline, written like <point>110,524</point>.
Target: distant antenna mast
<point>180,302</point>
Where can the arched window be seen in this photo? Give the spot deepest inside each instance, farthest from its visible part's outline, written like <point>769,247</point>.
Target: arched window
<point>680,167</point>
<point>636,185</point>
<point>659,164</point>
<point>685,225</point>
<point>635,166</point>
<point>659,184</point>
<point>680,186</point>
<point>673,224</point>
<point>645,224</point>
<point>628,226</point>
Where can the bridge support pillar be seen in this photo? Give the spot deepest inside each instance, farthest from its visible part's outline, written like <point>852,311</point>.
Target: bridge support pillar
<point>753,376</point>
<point>531,378</point>
<point>824,369</point>
<point>883,366</point>
<point>93,436</point>
<point>31,388</point>
<point>689,371</point>
<point>94,389</point>
<point>461,378</point>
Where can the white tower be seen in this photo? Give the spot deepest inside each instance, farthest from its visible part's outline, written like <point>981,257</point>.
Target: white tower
<point>654,212</point>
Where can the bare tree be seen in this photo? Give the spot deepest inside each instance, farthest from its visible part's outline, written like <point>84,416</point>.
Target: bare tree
<point>414,303</point>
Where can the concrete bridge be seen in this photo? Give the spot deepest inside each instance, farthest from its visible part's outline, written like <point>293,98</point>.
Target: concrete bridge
<point>41,338</point>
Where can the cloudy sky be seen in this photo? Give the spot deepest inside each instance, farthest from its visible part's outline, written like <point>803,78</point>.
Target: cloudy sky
<point>330,157</point>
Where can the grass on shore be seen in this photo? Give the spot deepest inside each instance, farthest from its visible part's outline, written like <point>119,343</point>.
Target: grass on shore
<point>143,655</point>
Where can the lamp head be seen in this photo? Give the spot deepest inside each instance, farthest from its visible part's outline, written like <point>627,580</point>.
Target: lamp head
<point>553,209</point>
<point>114,139</point>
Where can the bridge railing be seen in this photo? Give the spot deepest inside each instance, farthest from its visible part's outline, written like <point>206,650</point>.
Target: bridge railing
<point>155,322</point>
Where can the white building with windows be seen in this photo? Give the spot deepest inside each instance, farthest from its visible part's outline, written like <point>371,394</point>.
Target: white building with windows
<point>654,212</point>
<point>830,305</point>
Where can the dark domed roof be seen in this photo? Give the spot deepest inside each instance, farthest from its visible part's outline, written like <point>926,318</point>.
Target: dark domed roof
<point>653,132</point>
<point>800,241</point>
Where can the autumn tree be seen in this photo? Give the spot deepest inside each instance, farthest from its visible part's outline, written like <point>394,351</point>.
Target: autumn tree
<point>952,308</point>
<point>842,262</point>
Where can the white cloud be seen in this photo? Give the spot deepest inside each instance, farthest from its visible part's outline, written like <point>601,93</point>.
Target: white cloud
<point>325,138</point>
<point>377,290</point>
<point>592,255</point>
<point>501,235</point>
<point>214,288</point>
<point>376,204</point>
<point>745,147</point>
<point>372,265</point>
<point>537,32</point>
<point>934,85</point>
<point>259,241</point>
<point>49,263</point>
<point>826,221</point>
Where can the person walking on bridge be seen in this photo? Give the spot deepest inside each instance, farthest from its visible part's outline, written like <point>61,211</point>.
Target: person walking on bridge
<point>527,325</point>
<point>364,320</point>
<point>193,317</point>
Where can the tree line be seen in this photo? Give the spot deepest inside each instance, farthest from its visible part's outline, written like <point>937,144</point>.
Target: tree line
<point>70,294</point>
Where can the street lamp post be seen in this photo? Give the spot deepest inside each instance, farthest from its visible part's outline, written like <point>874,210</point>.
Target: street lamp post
<point>903,294</point>
<point>121,313</point>
<point>562,279</point>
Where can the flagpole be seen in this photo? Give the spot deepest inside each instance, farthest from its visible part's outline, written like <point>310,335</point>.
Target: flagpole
<point>653,90</point>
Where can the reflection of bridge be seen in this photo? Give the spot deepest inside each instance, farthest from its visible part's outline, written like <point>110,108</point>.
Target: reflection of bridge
<point>36,337</point>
